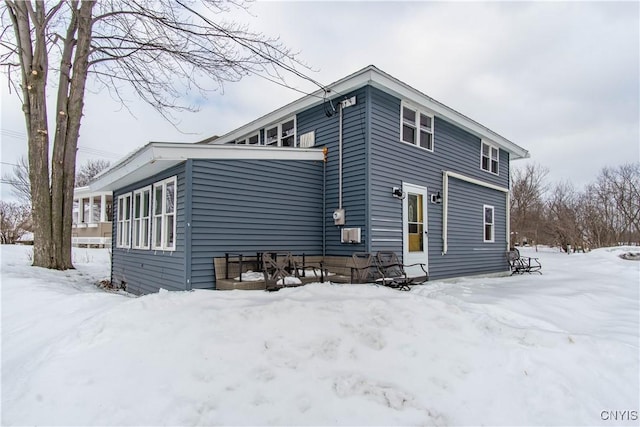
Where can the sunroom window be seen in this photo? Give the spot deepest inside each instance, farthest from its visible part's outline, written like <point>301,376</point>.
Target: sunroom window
<point>416,127</point>
<point>141,218</point>
<point>123,239</point>
<point>164,216</point>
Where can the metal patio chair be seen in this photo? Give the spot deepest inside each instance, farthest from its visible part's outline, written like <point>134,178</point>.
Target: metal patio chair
<point>394,274</point>
<point>279,269</point>
<point>520,265</point>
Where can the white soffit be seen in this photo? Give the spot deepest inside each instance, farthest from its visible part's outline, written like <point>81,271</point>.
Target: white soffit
<point>155,157</point>
<point>387,83</point>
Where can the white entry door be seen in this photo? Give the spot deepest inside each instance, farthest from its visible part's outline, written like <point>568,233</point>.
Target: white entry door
<point>414,227</point>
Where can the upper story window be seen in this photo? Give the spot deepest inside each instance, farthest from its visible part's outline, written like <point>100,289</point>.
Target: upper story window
<point>250,140</point>
<point>282,135</point>
<point>141,218</point>
<point>164,214</point>
<point>416,127</point>
<point>488,224</point>
<point>489,158</point>
<point>123,239</point>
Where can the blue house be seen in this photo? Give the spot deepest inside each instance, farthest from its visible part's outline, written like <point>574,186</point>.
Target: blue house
<point>371,164</point>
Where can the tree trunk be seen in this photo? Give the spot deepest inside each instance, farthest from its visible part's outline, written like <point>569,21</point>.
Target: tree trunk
<point>34,66</point>
<point>52,199</point>
<point>76,107</point>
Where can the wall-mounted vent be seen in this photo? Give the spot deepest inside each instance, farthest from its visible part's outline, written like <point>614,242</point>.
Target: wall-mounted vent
<point>351,235</point>
<point>308,139</point>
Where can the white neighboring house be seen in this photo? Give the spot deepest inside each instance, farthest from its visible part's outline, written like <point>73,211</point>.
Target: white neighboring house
<point>92,215</point>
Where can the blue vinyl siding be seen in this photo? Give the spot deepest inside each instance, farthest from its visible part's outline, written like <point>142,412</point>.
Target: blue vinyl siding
<point>146,271</point>
<point>354,165</point>
<point>247,206</point>
<point>393,162</point>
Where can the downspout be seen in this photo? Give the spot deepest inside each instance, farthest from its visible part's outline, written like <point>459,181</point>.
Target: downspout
<point>508,213</point>
<point>340,157</point>
<point>325,151</point>
<point>445,210</point>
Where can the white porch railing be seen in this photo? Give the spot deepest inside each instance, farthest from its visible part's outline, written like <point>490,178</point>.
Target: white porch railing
<point>100,241</point>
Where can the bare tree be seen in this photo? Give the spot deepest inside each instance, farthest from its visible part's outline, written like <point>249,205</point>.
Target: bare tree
<point>15,221</point>
<point>19,181</point>
<point>562,225</point>
<point>162,49</point>
<point>528,188</point>
<point>623,183</point>
<point>89,170</point>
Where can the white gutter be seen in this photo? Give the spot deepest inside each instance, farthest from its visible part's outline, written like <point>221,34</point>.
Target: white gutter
<point>387,83</point>
<point>157,156</point>
<point>445,202</point>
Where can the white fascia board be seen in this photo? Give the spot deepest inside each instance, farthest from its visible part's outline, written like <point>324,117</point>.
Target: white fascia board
<point>173,151</point>
<point>342,86</point>
<point>386,83</point>
<point>158,156</point>
<point>123,168</point>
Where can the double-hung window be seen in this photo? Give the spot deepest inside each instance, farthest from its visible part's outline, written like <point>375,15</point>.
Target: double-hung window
<point>416,127</point>
<point>489,158</point>
<point>283,134</point>
<point>124,221</point>
<point>488,224</point>
<point>164,214</point>
<point>141,218</point>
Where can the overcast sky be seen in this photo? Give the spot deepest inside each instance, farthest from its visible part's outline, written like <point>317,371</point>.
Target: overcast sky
<point>559,79</point>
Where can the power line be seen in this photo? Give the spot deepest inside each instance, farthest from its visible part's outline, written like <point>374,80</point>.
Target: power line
<point>13,133</point>
<point>10,164</point>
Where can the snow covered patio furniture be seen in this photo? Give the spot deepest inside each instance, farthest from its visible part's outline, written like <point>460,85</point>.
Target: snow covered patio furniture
<point>282,269</point>
<point>521,265</point>
<point>364,269</point>
<point>394,274</point>
<point>384,269</point>
<point>279,270</point>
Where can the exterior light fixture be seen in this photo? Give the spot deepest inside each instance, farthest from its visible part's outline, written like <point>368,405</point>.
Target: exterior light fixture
<point>436,198</point>
<point>397,193</point>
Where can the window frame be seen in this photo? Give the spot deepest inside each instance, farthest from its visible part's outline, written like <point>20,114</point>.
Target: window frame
<point>490,158</point>
<point>163,246</point>
<point>135,242</point>
<point>279,136</point>
<point>417,126</point>
<point>245,140</point>
<point>492,224</point>
<point>124,224</point>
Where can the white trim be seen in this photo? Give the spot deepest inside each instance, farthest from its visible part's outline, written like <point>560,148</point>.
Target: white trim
<point>245,140</point>
<point>406,257</point>
<point>163,246</point>
<point>416,125</point>
<point>157,156</point>
<point>485,223</point>
<point>122,240</point>
<point>142,160</point>
<point>445,202</point>
<point>385,82</point>
<point>279,137</point>
<point>134,241</point>
<point>491,148</point>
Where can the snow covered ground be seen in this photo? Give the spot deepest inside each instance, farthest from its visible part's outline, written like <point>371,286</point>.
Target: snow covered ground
<point>556,349</point>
